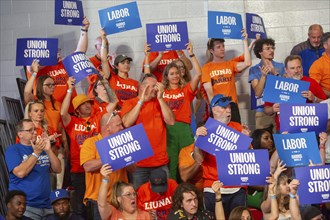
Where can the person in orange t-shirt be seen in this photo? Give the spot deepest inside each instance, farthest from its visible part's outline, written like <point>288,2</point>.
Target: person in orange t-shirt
<point>231,196</point>
<point>178,95</point>
<point>155,196</point>
<point>219,75</point>
<point>90,160</point>
<point>150,109</point>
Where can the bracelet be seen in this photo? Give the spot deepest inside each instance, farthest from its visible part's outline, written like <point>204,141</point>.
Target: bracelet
<point>69,91</point>
<point>322,147</point>
<point>292,196</point>
<point>272,196</point>
<point>84,30</point>
<point>105,180</point>
<point>146,65</point>
<point>315,99</point>
<point>140,102</point>
<point>191,55</point>
<point>35,155</point>
<point>218,199</point>
<point>34,74</point>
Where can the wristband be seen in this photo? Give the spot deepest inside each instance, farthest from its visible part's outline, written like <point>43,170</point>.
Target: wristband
<point>272,196</point>
<point>140,102</point>
<point>84,30</point>
<point>146,65</point>
<point>191,55</point>
<point>35,155</point>
<point>105,180</point>
<point>218,199</point>
<point>292,196</point>
<point>34,74</point>
<point>322,147</point>
<point>315,99</point>
<point>69,91</point>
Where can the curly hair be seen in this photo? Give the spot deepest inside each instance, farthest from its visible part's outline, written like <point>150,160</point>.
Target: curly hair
<point>40,90</point>
<point>259,44</point>
<point>166,82</point>
<point>177,197</point>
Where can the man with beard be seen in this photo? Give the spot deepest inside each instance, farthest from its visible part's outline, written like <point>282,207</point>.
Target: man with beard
<point>61,205</point>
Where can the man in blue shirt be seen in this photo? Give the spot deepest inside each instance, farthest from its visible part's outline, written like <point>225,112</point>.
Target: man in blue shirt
<point>264,49</point>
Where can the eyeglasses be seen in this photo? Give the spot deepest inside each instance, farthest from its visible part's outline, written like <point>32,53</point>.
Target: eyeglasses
<point>269,48</point>
<point>114,113</point>
<point>223,99</point>
<point>50,85</point>
<point>88,127</point>
<point>130,195</point>
<point>31,130</point>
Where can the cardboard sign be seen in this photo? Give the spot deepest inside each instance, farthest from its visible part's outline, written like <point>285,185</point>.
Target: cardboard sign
<point>79,66</point>
<point>224,25</point>
<point>282,90</point>
<point>255,25</point>
<point>125,147</point>
<point>69,12</point>
<point>220,137</point>
<point>167,36</point>
<point>304,118</point>
<point>255,101</point>
<point>120,18</point>
<point>314,185</point>
<point>42,49</point>
<point>243,168</point>
<point>297,149</point>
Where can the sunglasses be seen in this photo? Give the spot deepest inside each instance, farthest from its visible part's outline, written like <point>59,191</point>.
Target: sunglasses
<point>223,99</point>
<point>114,113</point>
<point>88,127</point>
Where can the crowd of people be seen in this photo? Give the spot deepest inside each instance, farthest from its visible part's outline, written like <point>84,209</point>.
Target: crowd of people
<point>180,181</point>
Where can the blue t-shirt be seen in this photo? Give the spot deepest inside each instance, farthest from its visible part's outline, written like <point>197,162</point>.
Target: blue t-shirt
<point>36,184</point>
<point>255,73</point>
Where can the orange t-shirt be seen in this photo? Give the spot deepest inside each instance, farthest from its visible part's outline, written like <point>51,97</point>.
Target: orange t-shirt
<point>93,179</point>
<point>77,131</point>
<point>222,77</point>
<point>209,165</point>
<point>320,71</point>
<point>53,115</point>
<point>152,120</point>
<point>162,203</point>
<point>179,101</point>
<point>99,106</point>
<point>117,215</point>
<point>186,160</point>
<point>124,88</point>
<point>167,58</point>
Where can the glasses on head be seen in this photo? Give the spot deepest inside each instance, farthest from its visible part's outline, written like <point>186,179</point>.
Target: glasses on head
<point>50,85</point>
<point>130,195</point>
<point>31,130</point>
<point>269,48</point>
<point>222,99</point>
<point>114,113</point>
<point>88,127</point>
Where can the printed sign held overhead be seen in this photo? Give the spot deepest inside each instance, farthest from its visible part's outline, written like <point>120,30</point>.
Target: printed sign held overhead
<point>69,12</point>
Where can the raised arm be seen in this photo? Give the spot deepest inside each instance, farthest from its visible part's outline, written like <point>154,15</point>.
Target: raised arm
<point>154,63</point>
<point>219,211</point>
<point>195,80</point>
<point>167,113</point>
<point>209,90</point>
<point>104,55</point>
<point>259,85</point>
<point>105,209</point>
<point>83,39</point>
<point>198,154</point>
<point>185,59</point>
<point>146,66</point>
<point>274,211</point>
<point>323,139</point>
<point>294,200</point>
<point>247,57</point>
<point>66,118</point>
<point>28,95</point>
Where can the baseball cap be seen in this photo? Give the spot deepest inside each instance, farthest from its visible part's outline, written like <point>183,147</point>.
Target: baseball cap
<point>158,180</point>
<point>80,99</point>
<point>310,212</point>
<point>58,194</point>
<point>220,100</point>
<point>121,58</point>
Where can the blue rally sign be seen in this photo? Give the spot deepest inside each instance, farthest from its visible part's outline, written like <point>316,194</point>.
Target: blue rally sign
<point>224,25</point>
<point>69,12</point>
<point>281,90</point>
<point>79,66</point>
<point>314,185</point>
<point>167,36</point>
<point>120,18</point>
<point>42,49</point>
<point>255,101</point>
<point>297,149</point>
<point>222,138</point>
<point>125,147</point>
<point>304,118</point>
<point>255,25</point>
<point>243,168</point>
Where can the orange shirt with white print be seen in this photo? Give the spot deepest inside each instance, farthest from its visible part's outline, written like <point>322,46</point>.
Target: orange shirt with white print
<point>99,106</point>
<point>152,120</point>
<point>222,77</point>
<point>94,179</point>
<point>209,165</point>
<point>79,129</point>
<point>124,88</point>
<point>161,202</point>
<point>179,101</point>
<point>167,58</point>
